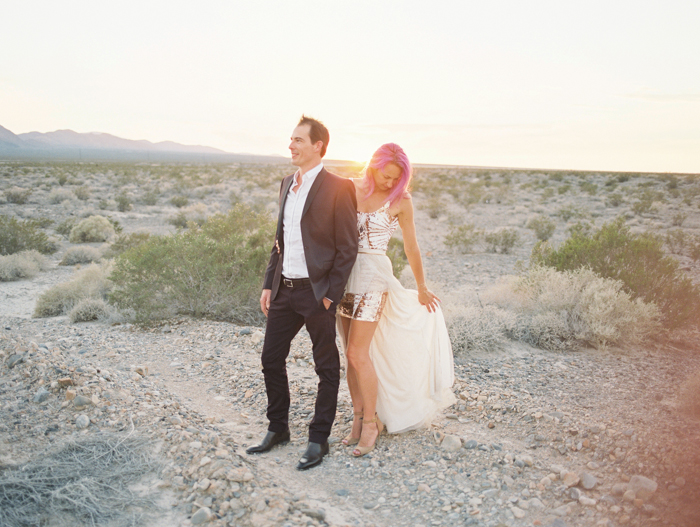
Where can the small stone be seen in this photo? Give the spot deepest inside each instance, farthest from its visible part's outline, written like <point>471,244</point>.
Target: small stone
<point>618,489</point>
<point>518,512</point>
<point>176,420</point>
<point>41,395</point>
<point>588,481</point>
<point>491,493</point>
<point>589,502</point>
<point>545,482</point>
<point>82,421</point>
<point>203,515</point>
<point>629,495</point>
<point>680,482</point>
<point>451,443</point>
<point>81,400</point>
<point>370,505</point>
<point>14,360</point>
<point>66,381</point>
<point>535,503</point>
<point>558,523</point>
<point>575,494</point>
<point>204,484</point>
<point>471,444</point>
<point>342,492</point>
<point>570,479</point>
<point>643,487</point>
<point>527,460</point>
<point>423,488</point>
<point>562,510</point>
<point>70,395</point>
<point>316,514</point>
<point>257,337</point>
<point>438,436</point>
<point>142,370</point>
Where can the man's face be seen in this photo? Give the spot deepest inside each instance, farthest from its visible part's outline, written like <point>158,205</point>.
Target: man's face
<point>302,149</point>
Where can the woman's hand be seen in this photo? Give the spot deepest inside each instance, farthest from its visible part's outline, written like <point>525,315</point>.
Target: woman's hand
<point>428,299</point>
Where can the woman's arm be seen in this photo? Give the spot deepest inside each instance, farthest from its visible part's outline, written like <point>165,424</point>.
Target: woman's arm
<point>410,247</point>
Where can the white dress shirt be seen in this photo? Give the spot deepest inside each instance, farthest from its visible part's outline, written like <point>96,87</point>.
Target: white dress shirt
<point>294,262</point>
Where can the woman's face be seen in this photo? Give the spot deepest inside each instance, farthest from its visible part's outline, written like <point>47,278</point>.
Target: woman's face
<point>384,180</point>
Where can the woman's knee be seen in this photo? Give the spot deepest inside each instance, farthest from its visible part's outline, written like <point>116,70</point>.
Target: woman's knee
<point>358,358</point>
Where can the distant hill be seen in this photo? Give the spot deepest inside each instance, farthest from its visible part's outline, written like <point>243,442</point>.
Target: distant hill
<point>69,145</point>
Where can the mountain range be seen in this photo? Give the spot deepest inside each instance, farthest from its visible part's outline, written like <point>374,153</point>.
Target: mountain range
<point>67,144</point>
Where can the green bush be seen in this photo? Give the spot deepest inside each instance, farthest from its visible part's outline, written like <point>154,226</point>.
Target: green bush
<point>501,241</point>
<point>91,282</point>
<point>82,193</point>
<point>179,201</point>
<point>463,237</point>
<point>123,202</point>
<point>543,227</point>
<point>396,254</point>
<point>66,226</point>
<point>637,260</point>
<point>23,235</point>
<point>678,218</point>
<point>25,264</point>
<point>571,211</point>
<point>59,195</point>
<point>150,197</point>
<point>215,270</point>
<point>124,242</point>
<point>615,199</point>
<point>93,229</point>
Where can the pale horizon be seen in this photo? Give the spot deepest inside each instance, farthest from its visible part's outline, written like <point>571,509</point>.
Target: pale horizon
<point>597,86</point>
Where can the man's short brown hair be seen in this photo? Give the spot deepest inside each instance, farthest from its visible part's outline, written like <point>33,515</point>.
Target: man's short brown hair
<point>317,132</point>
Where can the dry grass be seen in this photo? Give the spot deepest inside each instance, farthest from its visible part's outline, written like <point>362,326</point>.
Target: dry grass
<point>25,264</point>
<point>91,282</point>
<point>81,255</point>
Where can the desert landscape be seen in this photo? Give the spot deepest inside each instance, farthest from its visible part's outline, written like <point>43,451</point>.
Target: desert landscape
<point>131,374</point>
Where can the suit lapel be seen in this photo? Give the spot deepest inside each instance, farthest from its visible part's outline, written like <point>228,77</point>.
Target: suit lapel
<point>313,190</point>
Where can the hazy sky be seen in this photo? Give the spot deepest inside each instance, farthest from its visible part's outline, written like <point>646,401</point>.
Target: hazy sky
<point>550,84</point>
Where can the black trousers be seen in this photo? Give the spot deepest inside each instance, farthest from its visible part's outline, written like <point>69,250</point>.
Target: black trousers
<point>289,311</point>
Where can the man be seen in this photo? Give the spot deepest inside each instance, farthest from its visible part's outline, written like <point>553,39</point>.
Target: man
<point>315,248</point>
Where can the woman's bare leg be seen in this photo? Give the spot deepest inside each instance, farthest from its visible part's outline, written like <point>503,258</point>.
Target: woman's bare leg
<point>359,338</point>
<point>353,386</point>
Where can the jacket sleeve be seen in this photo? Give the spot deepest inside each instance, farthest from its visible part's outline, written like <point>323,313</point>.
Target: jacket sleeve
<point>275,253</point>
<point>346,240</point>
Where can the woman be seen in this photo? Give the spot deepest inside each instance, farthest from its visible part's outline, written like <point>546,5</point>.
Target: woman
<point>400,368</point>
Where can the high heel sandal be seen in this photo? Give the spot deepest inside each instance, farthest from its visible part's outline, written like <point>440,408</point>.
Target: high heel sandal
<point>364,450</point>
<point>348,440</point>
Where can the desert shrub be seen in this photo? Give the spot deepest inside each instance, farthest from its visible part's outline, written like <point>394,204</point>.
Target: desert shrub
<point>621,178</point>
<point>638,261</point>
<point>124,242</point>
<point>547,193</point>
<point>59,195</point>
<point>571,211</point>
<point>82,193</point>
<point>150,197</point>
<point>62,178</point>
<point>433,206</point>
<point>463,237</point>
<point>123,202</point>
<point>689,395</point>
<point>214,270</point>
<point>103,204</point>
<point>556,176</point>
<point>90,282</point>
<point>81,255</point>
<point>476,328</point>
<point>643,206</point>
<point>23,235</point>
<point>89,309</point>
<point>179,201</point>
<point>543,227</point>
<point>678,218</point>
<point>502,240</point>
<point>396,254</point>
<point>615,199</point>
<point>179,220</point>
<point>587,186</point>
<point>564,189</point>
<point>93,229</point>
<point>560,310</point>
<point>17,195</point>
<point>66,226</point>
<point>25,264</point>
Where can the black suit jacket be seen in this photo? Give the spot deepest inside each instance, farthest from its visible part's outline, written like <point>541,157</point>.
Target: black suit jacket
<point>329,234</point>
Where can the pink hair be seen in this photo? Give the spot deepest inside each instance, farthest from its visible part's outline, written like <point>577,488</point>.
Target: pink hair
<point>385,154</point>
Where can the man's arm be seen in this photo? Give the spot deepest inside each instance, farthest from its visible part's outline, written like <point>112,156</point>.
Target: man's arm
<point>346,240</point>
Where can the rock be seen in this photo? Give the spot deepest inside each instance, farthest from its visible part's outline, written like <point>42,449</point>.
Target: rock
<point>518,512</point>
<point>257,337</point>
<point>423,488</point>
<point>588,502</point>
<point>203,515</point>
<point>527,460</point>
<point>342,492</point>
<point>316,514</point>
<point>142,370</point>
<point>643,487</point>
<point>14,360</point>
<point>629,495</point>
<point>66,381</point>
<point>471,444</point>
<point>438,436</point>
<point>680,482</point>
<point>535,503</point>
<point>70,395</point>
<point>575,494</point>
<point>370,505</point>
<point>176,420</point>
<point>491,493</point>
<point>41,395</point>
<point>588,481</point>
<point>81,400</point>
<point>82,421</point>
<point>558,523</point>
<point>451,443</point>
<point>570,479</point>
<point>562,510</point>
<point>618,489</point>
<point>491,424</point>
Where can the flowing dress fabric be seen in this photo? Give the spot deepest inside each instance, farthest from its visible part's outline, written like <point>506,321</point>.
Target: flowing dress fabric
<point>411,349</point>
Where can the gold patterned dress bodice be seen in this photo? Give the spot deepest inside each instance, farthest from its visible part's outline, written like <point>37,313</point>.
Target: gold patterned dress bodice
<point>376,228</point>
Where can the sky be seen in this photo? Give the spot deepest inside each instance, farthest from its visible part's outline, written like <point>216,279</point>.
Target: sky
<point>594,85</point>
